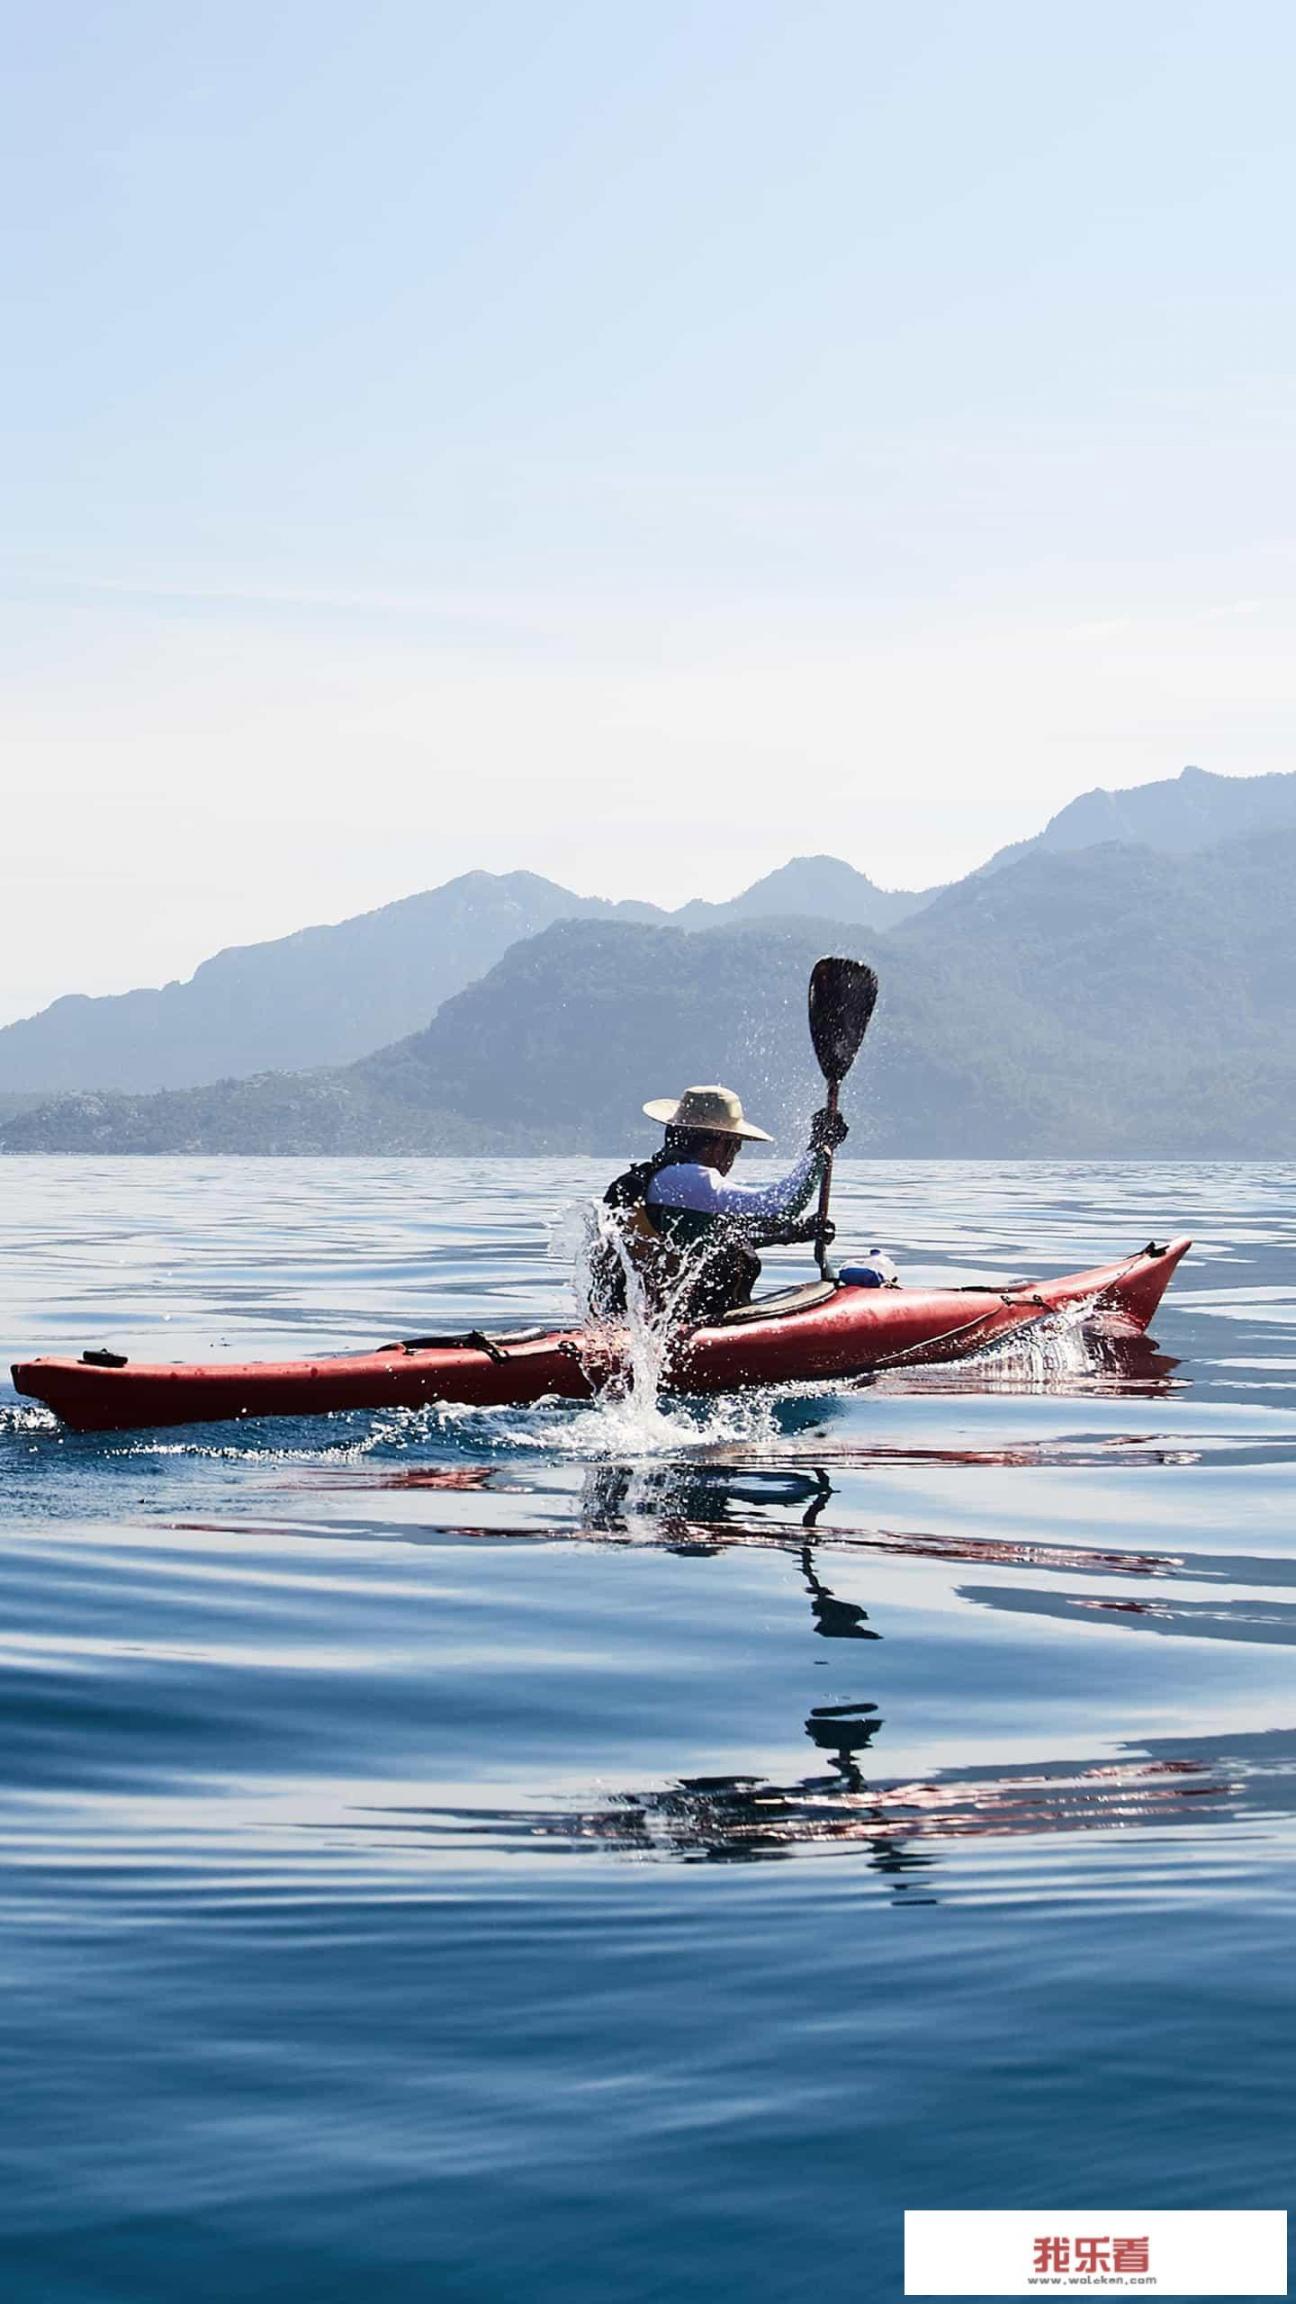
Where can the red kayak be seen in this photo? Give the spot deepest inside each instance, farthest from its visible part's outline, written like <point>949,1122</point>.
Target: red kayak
<point>824,1330</point>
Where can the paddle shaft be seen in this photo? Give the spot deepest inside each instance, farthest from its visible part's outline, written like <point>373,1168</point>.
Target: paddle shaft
<point>825,1192</point>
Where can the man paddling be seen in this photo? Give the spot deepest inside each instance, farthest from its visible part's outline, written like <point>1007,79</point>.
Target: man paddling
<point>687,1233</point>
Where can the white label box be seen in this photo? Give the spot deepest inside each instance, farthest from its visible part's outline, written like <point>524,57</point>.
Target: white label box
<point>1082,2252</point>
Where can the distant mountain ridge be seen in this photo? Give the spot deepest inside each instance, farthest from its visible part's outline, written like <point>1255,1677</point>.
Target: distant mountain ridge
<point>320,996</point>
<point>328,994</point>
<point>1105,1002</point>
<point>1192,810</point>
<point>808,888</point>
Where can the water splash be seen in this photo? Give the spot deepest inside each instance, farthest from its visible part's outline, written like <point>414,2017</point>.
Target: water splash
<point>22,1419</point>
<point>1057,1350</point>
<point>633,1414</point>
<point>1060,1344</point>
<point>621,1426</point>
<point>636,1346</point>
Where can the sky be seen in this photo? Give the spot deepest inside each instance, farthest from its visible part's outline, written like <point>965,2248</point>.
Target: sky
<point>632,444</point>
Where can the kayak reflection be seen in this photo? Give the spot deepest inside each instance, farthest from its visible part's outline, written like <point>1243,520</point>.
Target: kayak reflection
<point>693,1505</point>
<point>902,1828</point>
<point>699,1506</point>
<point>899,1827</point>
<point>841,1799</point>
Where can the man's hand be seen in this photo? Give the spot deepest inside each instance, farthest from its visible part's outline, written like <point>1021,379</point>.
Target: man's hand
<point>827,1131</point>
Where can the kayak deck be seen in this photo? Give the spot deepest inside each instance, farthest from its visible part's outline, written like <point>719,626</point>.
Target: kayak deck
<point>828,1334</point>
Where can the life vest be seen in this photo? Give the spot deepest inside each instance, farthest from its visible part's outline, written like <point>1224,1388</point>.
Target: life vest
<point>630,1190</point>
<point>638,1239</point>
<point>664,1245</point>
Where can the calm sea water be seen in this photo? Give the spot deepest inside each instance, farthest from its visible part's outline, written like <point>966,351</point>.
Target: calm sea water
<point>566,1855</point>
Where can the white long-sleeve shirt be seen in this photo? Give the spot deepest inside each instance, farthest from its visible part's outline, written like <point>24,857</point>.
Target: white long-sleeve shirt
<point>686,1184</point>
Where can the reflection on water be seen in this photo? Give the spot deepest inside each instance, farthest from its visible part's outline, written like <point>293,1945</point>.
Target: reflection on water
<point>416,1826</point>
<point>1270,1620</point>
<point>899,1826</point>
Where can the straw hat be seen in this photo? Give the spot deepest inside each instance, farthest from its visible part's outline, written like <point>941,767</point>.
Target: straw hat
<point>712,1111</point>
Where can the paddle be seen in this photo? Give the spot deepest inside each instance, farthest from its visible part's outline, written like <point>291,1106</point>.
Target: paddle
<point>842,997</point>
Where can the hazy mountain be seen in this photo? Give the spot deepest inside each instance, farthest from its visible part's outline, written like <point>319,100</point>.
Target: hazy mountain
<point>328,995</point>
<point>1179,815</point>
<point>809,888</point>
<point>1150,998</point>
<point>1110,1001</point>
<point>555,1050</point>
<point>320,996</point>
<point>325,995</point>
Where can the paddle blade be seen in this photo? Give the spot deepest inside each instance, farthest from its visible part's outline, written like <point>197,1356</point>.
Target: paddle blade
<point>842,996</point>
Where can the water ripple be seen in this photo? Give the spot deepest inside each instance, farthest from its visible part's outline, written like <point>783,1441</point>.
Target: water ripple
<point>469,1853</point>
